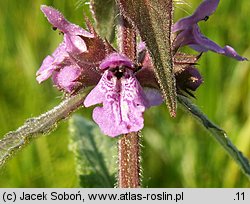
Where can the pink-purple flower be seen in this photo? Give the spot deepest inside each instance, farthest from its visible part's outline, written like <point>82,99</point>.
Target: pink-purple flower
<point>122,97</point>
<point>190,34</point>
<point>63,65</point>
<point>84,59</point>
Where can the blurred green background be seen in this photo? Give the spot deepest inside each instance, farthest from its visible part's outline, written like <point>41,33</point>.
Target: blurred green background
<point>176,152</point>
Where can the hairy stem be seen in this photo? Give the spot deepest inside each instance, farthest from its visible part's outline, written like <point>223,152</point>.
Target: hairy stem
<point>127,39</point>
<point>128,144</point>
<point>41,125</point>
<point>129,161</point>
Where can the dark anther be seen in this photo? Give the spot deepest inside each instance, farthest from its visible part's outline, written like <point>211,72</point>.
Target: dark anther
<point>138,67</point>
<point>118,71</point>
<point>206,18</point>
<point>54,28</point>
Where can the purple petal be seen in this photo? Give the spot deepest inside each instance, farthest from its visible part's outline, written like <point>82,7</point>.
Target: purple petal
<point>67,77</point>
<point>116,60</point>
<point>110,126</point>
<point>230,52</point>
<point>204,44</point>
<point>58,21</point>
<point>196,40</point>
<point>183,38</point>
<point>45,70</point>
<point>204,10</point>
<point>60,55</point>
<point>153,96</point>
<point>58,59</point>
<point>123,104</point>
<point>72,33</point>
<point>74,44</point>
<point>96,95</point>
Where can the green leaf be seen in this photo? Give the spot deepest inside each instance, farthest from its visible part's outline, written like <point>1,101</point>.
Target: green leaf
<point>104,14</point>
<point>220,135</point>
<point>153,20</point>
<point>34,127</point>
<point>94,154</point>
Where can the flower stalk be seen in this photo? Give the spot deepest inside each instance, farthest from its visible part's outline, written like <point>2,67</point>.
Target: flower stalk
<point>128,144</point>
